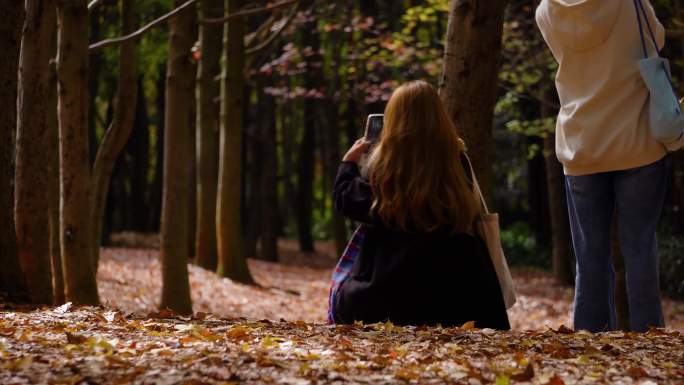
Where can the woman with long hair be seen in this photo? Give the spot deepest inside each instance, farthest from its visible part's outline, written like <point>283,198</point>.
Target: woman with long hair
<point>421,262</point>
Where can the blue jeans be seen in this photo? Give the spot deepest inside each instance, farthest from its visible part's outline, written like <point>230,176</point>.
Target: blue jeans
<point>636,196</point>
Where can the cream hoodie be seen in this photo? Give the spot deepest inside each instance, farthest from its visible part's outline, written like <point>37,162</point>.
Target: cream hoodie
<point>603,121</point>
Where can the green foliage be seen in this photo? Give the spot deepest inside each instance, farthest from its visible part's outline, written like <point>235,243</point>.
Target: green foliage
<point>521,247</point>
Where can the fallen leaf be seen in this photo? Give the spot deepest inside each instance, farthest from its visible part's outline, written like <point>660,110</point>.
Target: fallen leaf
<point>524,376</point>
<point>73,338</point>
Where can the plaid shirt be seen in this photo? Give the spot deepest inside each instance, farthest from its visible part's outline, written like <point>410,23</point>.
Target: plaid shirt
<point>344,268</point>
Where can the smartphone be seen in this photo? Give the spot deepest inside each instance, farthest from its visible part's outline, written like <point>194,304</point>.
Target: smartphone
<point>374,126</point>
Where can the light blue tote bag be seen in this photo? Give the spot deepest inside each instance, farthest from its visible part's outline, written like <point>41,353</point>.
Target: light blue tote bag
<point>666,118</point>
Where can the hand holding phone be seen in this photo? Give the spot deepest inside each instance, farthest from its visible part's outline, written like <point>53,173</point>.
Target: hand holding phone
<point>357,151</point>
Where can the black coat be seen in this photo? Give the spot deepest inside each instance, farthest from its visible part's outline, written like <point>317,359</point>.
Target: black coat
<point>414,278</point>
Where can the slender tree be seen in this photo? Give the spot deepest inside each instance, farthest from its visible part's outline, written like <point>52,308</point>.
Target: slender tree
<point>255,164</point>
<point>231,254</point>
<point>560,225</point>
<point>332,142</point>
<point>305,195</point>
<point>96,18</point>
<point>31,198</point>
<point>558,210</point>
<point>469,79</point>
<point>174,222</point>
<point>154,221</point>
<point>138,151</point>
<point>76,232</point>
<point>119,130</point>
<point>53,186</point>
<point>269,180</point>
<point>208,123</point>
<point>11,278</point>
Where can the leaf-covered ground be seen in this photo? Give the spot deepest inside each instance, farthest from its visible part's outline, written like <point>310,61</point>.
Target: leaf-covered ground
<point>129,279</point>
<point>95,346</point>
<point>134,344</point>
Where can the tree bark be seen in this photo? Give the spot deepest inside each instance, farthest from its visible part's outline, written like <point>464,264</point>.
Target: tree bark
<point>119,130</point>
<point>72,70</point>
<point>192,164</point>
<point>332,145</point>
<point>208,123</point>
<point>288,149</point>
<point>11,278</point>
<point>558,210</point>
<point>53,187</point>
<point>305,195</point>
<point>231,254</point>
<point>561,241</point>
<point>269,181</point>
<point>31,198</point>
<point>468,84</point>
<point>138,151</point>
<point>255,194</point>
<point>338,225</point>
<point>94,68</point>
<point>538,193</point>
<point>154,223</point>
<point>174,226</point>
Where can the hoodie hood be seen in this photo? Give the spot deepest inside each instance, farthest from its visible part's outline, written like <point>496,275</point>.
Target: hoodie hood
<point>580,24</point>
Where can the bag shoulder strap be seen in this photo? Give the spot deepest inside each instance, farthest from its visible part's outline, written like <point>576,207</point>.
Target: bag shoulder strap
<point>641,11</point>
<point>476,185</point>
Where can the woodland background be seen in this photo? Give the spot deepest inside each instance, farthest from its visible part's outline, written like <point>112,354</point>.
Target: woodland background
<point>224,135</point>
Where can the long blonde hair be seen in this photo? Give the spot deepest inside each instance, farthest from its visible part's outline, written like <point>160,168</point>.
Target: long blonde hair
<point>415,171</point>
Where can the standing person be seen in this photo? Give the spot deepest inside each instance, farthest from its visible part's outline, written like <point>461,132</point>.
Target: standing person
<point>420,262</point>
<point>612,164</point>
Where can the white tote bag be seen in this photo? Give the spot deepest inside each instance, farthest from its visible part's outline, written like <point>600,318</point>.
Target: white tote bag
<point>488,229</point>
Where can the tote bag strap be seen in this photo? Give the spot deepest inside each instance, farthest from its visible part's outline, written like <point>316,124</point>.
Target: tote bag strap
<point>476,185</point>
<point>640,10</point>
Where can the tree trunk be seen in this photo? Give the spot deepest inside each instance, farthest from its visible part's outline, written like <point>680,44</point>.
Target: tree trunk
<point>287,148</point>
<point>468,84</point>
<point>256,163</point>
<point>154,223</point>
<point>11,278</point>
<point>208,123</point>
<point>332,145</point>
<point>339,228</point>
<point>558,209</point>
<point>138,151</point>
<point>94,67</point>
<point>31,198</point>
<point>119,130</point>
<point>174,226</point>
<point>305,198</point>
<point>192,164</point>
<point>53,186</point>
<point>231,254</point>
<point>538,193</point>
<point>269,180</point>
<point>76,232</point>
<point>561,241</point>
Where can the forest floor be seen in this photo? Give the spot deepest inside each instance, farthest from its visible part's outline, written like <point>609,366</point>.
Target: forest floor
<point>297,289</point>
<point>237,336</point>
